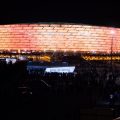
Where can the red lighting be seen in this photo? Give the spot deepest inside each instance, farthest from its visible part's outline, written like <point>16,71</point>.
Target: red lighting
<point>42,37</point>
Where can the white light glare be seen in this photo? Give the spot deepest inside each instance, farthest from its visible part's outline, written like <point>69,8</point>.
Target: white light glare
<point>112,32</point>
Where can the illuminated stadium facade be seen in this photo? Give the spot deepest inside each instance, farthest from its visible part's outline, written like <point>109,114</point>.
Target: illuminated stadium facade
<point>49,38</point>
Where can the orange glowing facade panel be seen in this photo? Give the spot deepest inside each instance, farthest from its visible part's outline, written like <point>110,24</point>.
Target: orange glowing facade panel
<point>68,37</point>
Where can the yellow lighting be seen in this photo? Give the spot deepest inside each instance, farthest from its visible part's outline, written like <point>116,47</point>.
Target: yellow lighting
<point>101,57</point>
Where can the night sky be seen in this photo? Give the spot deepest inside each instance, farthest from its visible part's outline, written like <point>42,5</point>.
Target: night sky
<point>86,12</point>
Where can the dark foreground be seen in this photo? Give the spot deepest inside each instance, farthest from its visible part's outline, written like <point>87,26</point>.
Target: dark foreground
<point>53,108</point>
<point>82,96</point>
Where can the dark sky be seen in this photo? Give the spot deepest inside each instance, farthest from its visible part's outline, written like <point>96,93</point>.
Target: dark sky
<point>88,12</point>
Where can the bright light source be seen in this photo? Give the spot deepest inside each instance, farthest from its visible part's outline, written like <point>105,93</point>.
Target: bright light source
<point>93,51</point>
<point>69,69</point>
<point>64,50</point>
<point>8,60</point>
<point>54,50</point>
<point>112,32</point>
<point>44,50</point>
<point>74,50</point>
<point>18,50</point>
